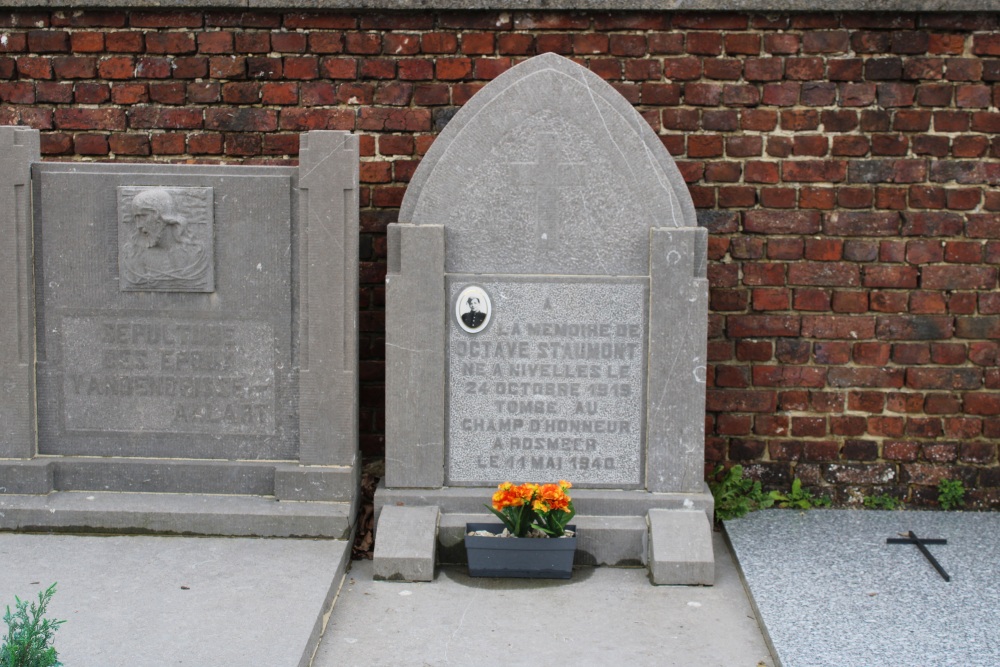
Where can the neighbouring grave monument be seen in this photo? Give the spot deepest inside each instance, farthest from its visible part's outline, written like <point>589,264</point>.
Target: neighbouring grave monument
<point>179,343</point>
<point>546,318</point>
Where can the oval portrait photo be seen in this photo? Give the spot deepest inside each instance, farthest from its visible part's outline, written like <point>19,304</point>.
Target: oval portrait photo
<point>473,309</point>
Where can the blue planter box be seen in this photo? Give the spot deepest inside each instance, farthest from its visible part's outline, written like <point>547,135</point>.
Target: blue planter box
<point>524,557</point>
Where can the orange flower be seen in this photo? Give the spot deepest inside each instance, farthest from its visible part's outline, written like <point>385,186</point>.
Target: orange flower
<point>551,497</point>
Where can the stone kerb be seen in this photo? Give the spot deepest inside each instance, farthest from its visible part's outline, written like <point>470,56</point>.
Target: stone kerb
<point>547,235</point>
<point>196,333</point>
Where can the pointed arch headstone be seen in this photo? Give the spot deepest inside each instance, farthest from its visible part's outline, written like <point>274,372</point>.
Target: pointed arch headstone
<point>546,300</point>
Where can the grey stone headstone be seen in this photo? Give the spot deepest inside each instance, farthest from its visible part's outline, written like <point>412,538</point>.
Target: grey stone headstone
<point>562,209</point>
<point>19,147</point>
<point>193,313</point>
<point>546,301</point>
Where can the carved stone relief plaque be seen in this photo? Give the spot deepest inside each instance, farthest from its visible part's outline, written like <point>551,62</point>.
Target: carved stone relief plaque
<point>165,239</point>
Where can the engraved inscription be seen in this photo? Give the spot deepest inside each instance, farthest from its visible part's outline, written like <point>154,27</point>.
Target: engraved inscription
<point>165,239</point>
<point>555,387</point>
<point>157,375</point>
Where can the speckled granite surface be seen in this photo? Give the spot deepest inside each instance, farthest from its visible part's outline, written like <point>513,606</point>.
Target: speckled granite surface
<point>831,593</point>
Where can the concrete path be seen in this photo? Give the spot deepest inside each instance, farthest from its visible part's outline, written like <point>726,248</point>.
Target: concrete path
<point>141,601</point>
<point>832,593</point>
<point>215,602</point>
<point>601,617</point>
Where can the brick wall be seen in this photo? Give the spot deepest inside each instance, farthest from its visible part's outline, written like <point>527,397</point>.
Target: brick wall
<point>845,164</point>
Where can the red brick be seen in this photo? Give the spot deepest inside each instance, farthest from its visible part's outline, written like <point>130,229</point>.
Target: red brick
<point>740,400</point>
<point>87,42</point>
<point>153,117</point>
<point>665,43</point>
<point>758,120</point>
<point>91,93</point>
<point>339,68</point>
<point>815,300</point>
<point>251,42</point>
<point>963,427</point>
<point>923,68</point>
<point>483,43</point>
<point>852,301</point>
<point>948,354</point>
<point>515,44</point>
<point>781,222</point>
<point>205,144</point>
<point>91,144</point>
<point>167,144</point>
<point>799,119</point>
<point>90,119</point>
<point>390,119</point>
<point>663,94</point>
<point>451,69</point>
<point>764,69</point>
<point>439,42</point>
<point>48,41</point>
<point>554,43</point>
<point>288,93</point>
<point>363,43</point>
<point>215,42</point>
<point>17,92</point>
<point>299,120</point>
<point>704,43</point>
<point>750,326</point>
<point>814,171</point>
<point>958,277</point>
<point>896,94</point>
<point>129,144</point>
<point>928,303</point>
<point>174,43</point>
<point>771,299</point>
<point>641,70</point>
<point>761,172</point>
<point>51,92</point>
<point>845,69</point>
<point>409,70</point>
<point>820,41</point>
<point>30,67</point>
<point>945,378</point>
<point>986,45</point>
<point>703,94</point>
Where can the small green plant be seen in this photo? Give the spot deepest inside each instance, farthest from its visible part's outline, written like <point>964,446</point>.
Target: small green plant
<point>951,494</point>
<point>798,498</point>
<point>883,502</point>
<point>28,642</point>
<point>735,495</point>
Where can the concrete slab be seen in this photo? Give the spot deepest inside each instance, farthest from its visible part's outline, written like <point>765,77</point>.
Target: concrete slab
<point>601,616</point>
<point>157,601</point>
<point>831,593</point>
<point>406,544</point>
<point>680,548</point>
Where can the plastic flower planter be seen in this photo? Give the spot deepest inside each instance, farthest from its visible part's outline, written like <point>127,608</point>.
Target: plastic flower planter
<point>523,557</point>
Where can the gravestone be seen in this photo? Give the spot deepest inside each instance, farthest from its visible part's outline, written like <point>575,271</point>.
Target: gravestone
<point>546,318</point>
<point>180,343</point>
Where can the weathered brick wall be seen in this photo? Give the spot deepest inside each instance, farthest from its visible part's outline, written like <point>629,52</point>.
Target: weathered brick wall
<point>846,165</point>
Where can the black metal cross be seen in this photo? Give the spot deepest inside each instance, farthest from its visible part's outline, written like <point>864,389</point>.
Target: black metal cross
<point>911,538</point>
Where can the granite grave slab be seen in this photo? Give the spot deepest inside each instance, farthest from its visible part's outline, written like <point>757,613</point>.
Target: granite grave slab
<point>546,308</point>
<point>829,591</point>
<point>180,329</point>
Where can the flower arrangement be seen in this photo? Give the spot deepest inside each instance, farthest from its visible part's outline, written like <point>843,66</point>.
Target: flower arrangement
<point>545,508</point>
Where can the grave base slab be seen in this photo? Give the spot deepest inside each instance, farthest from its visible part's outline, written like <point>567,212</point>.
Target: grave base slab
<point>407,544</point>
<point>179,514</point>
<point>680,548</point>
<point>613,525</point>
<point>154,601</point>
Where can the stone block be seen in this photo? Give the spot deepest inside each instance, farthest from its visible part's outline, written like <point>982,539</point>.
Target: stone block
<point>680,548</point>
<point>406,544</point>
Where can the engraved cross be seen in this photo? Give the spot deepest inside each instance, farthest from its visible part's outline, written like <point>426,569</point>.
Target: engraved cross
<point>547,174</point>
